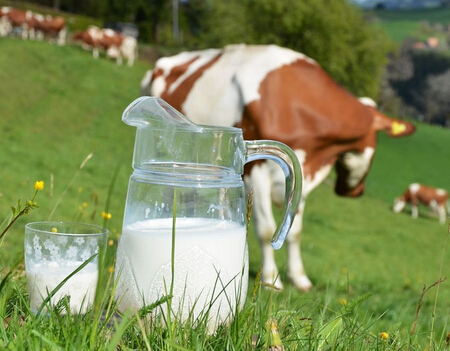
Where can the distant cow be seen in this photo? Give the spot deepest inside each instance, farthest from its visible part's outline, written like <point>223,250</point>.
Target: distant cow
<point>436,199</point>
<point>116,45</point>
<point>32,25</point>
<point>51,27</point>
<point>22,20</point>
<point>278,94</point>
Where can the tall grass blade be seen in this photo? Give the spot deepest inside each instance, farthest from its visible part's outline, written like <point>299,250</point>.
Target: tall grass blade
<point>110,191</point>
<point>330,332</point>
<point>88,157</point>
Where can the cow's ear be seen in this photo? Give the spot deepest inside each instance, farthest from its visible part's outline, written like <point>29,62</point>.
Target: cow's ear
<point>393,127</point>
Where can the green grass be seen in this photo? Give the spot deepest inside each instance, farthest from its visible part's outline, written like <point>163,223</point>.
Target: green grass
<point>58,104</point>
<point>401,24</point>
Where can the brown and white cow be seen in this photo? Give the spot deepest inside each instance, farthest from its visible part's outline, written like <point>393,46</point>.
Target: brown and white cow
<point>116,45</point>
<point>23,20</point>
<point>434,198</point>
<point>52,27</point>
<point>279,94</point>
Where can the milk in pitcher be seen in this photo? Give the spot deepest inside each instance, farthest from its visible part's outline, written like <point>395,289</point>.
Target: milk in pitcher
<point>211,265</point>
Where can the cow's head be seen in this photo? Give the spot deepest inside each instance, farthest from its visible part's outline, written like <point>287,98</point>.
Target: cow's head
<point>399,204</point>
<point>352,166</point>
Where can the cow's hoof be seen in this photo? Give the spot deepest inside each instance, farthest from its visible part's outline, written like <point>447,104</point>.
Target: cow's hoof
<point>301,282</point>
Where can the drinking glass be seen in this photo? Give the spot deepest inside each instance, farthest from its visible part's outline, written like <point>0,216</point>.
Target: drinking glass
<point>53,251</point>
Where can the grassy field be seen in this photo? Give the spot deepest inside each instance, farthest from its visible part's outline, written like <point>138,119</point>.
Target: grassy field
<point>369,266</point>
<point>401,24</point>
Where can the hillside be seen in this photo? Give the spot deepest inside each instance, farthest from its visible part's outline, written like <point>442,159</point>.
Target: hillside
<point>415,23</point>
<point>58,104</point>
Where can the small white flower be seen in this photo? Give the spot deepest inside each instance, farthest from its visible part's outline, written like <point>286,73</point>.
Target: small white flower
<point>79,241</point>
<point>85,255</point>
<point>28,249</point>
<point>72,252</point>
<point>48,244</point>
<point>55,256</point>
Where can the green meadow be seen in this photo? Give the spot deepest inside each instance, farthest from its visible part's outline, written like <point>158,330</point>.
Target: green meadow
<point>416,23</point>
<point>369,266</point>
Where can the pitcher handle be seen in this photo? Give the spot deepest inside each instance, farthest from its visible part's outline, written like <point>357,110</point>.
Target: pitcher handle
<point>285,157</point>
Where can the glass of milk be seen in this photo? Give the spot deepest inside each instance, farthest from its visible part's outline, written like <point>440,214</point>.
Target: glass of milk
<point>53,251</point>
<point>184,229</point>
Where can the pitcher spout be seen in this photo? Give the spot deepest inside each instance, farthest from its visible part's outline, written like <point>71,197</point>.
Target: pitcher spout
<point>155,113</point>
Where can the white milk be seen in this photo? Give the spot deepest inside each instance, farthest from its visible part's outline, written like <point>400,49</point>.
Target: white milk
<point>43,277</point>
<point>211,262</point>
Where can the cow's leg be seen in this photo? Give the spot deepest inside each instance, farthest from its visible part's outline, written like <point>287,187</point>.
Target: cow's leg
<point>130,60</point>
<point>296,271</point>
<point>119,59</point>
<point>259,179</point>
<point>24,31</point>
<point>3,30</point>
<point>61,37</point>
<point>6,26</point>
<point>442,213</point>
<point>39,35</point>
<point>414,210</point>
<point>95,52</point>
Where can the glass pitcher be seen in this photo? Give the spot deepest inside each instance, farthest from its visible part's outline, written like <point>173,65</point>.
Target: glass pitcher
<point>184,229</point>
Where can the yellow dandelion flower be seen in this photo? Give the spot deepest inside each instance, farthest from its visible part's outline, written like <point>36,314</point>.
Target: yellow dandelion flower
<point>84,204</point>
<point>39,185</point>
<point>384,336</point>
<point>110,242</point>
<point>54,230</point>
<point>106,215</point>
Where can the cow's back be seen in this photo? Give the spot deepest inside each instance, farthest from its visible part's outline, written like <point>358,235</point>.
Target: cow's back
<point>285,94</point>
<point>212,78</point>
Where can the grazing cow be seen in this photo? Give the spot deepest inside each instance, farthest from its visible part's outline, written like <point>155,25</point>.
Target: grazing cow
<point>23,20</point>
<point>436,199</point>
<point>115,44</point>
<point>276,93</point>
<point>52,27</point>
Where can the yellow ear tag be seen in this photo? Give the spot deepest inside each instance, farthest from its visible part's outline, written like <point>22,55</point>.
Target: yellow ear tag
<point>397,128</point>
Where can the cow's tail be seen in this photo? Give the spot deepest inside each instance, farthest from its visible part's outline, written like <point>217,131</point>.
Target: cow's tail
<point>146,83</point>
